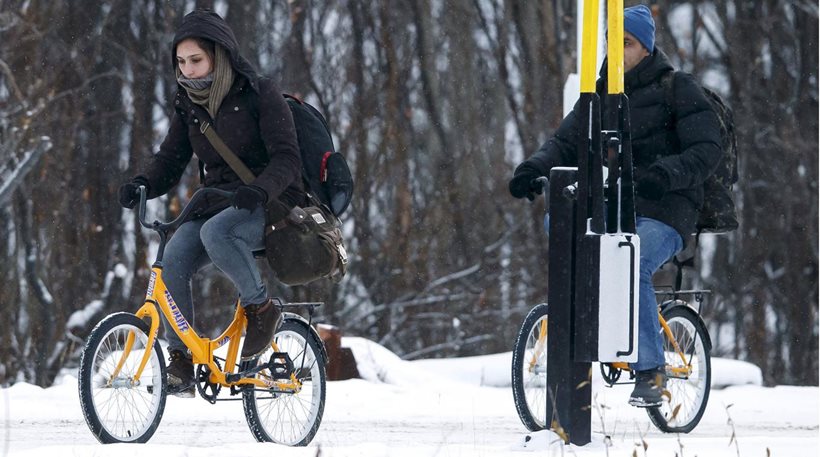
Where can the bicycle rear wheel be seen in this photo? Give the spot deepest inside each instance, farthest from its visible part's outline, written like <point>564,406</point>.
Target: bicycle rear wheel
<point>117,409</point>
<point>688,377</point>
<point>529,370</point>
<point>290,418</point>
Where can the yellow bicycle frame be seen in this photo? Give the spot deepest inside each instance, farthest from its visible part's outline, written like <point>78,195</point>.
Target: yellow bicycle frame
<point>683,371</point>
<point>202,349</point>
<point>540,345</point>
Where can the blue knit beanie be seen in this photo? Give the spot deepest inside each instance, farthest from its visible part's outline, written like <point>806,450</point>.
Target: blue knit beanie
<point>638,21</point>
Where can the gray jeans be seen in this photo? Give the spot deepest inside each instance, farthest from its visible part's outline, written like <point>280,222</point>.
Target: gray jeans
<point>227,239</point>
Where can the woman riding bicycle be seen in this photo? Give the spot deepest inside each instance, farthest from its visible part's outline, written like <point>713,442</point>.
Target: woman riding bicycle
<point>218,86</point>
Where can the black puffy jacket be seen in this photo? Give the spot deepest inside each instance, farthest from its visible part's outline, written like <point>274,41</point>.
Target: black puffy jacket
<point>682,140</point>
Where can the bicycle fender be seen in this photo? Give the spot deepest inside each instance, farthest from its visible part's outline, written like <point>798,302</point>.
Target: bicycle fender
<point>668,304</point>
<point>302,321</point>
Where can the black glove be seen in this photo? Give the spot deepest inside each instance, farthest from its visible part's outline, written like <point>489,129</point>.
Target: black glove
<point>249,198</point>
<point>653,185</point>
<point>523,183</point>
<point>129,193</point>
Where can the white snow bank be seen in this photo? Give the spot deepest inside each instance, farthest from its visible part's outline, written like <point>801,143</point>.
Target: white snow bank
<point>729,372</point>
<point>378,364</point>
<point>484,370</point>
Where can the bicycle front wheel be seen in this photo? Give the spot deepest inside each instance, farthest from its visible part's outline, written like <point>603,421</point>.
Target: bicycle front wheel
<point>117,408</point>
<point>290,416</point>
<point>688,371</point>
<point>529,370</point>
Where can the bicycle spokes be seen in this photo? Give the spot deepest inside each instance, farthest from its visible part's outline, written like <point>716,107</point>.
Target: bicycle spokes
<point>529,369</point>
<point>289,411</point>
<point>119,407</point>
<point>688,370</point>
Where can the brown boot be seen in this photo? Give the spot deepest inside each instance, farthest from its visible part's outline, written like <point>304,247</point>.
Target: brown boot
<point>263,321</point>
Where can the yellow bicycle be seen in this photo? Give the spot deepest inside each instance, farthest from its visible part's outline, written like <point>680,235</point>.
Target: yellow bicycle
<point>122,379</point>
<point>686,346</point>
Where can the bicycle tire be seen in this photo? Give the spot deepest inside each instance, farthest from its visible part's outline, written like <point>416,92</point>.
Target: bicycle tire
<point>687,396</point>
<point>529,370</point>
<point>290,418</point>
<point>137,409</point>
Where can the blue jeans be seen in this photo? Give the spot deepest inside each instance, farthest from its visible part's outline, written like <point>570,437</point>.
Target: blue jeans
<point>227,239</point>
<point>659,242</point>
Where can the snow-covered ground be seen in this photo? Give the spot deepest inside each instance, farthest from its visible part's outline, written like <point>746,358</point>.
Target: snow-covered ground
<point>444,407</point>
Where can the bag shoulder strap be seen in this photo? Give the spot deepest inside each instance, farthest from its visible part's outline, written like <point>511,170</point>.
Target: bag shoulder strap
<point>244,173</point>
<point>236,164</point>
<point>668,85</point>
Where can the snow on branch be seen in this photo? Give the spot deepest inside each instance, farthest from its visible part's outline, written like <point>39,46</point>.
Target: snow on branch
<point>12,82</point>
<point>83,317</point>
<point>13,172</point>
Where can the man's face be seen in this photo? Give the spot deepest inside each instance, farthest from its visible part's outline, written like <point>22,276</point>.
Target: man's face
<point>634,51</point>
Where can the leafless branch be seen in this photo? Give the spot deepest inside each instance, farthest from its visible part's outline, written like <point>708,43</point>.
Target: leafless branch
<point>12,82</point>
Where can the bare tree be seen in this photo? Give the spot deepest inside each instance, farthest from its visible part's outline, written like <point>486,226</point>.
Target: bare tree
<point>433,103</point>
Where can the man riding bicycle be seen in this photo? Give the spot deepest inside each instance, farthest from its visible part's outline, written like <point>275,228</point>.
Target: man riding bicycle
<point>674,151</point>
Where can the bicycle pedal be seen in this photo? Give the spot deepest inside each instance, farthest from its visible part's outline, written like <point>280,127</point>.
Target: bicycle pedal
<point>280,370</point>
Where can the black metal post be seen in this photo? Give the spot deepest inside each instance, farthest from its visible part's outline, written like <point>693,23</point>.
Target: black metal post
<point>589,222</point>
<point>569,394</point>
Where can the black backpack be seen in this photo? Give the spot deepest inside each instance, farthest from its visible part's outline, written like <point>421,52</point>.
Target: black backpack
<point>718,214</point>
<point>324,170</point>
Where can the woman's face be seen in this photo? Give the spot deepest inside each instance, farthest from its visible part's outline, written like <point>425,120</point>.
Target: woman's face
<point>193,61</point>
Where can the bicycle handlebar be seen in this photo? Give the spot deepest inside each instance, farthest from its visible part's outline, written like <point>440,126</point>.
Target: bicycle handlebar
<point>162,226</point>
<point>545,185</point>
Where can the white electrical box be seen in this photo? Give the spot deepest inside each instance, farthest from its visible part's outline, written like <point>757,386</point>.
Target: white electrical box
<point>619,274</point>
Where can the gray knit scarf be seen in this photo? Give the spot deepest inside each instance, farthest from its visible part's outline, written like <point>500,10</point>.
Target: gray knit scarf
<point>209,91</point>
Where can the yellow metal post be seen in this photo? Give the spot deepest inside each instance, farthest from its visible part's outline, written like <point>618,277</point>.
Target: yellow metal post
<point>589,45</point>
<point>615,46</point>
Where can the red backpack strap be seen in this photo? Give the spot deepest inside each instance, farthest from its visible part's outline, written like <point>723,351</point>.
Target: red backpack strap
<point>323,167</point>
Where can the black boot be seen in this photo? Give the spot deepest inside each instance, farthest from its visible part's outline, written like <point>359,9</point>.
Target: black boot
<point>181,374</point>
<point>263,321</point>
<point>649,388</point>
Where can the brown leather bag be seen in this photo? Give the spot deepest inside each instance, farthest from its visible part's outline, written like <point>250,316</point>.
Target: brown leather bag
<point>301,247</point>
<point>306,246</point>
